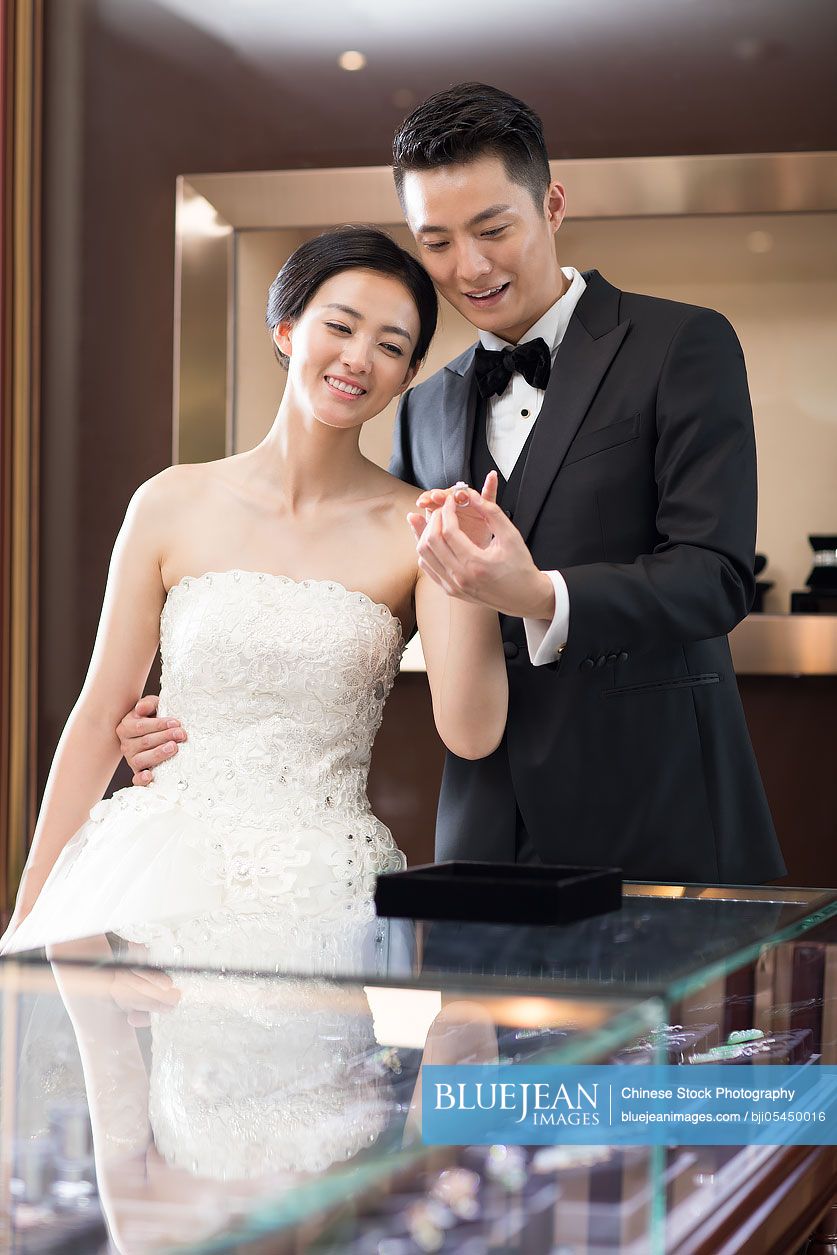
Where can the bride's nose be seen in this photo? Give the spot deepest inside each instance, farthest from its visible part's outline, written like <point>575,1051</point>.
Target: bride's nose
<point>357,355</point>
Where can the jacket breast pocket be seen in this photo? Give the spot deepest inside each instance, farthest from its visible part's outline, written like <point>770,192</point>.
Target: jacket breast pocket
<point>658,686</point>
<point>589,442</point>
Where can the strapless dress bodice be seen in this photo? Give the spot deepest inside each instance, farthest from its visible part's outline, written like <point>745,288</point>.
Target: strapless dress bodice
<point>281,686</point>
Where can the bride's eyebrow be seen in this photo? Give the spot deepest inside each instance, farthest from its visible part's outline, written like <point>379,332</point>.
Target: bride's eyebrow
<point>353,313</point>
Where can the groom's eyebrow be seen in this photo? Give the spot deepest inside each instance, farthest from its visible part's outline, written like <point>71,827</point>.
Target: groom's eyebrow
<point>353,313</point>
<point>491,212</point>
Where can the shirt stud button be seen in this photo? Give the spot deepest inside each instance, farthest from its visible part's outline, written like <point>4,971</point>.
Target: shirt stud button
<point>524,413</point>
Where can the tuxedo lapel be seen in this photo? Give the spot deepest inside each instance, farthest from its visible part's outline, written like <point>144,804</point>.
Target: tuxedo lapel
<point>459,401</point>
<point>592,340</point>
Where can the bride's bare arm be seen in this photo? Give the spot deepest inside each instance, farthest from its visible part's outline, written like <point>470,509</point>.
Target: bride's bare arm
<point>466,667</point>
<point>126,642</point>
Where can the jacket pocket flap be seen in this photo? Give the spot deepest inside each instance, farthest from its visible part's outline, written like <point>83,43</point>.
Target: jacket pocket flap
<point>657,686</point>
<point>589,442</point>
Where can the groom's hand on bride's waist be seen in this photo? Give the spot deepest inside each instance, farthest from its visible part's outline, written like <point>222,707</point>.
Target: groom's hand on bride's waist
<point>147,741</point>
<point>140,991</point>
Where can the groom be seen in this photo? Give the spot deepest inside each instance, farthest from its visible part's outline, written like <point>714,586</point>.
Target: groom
<point>621,429</point>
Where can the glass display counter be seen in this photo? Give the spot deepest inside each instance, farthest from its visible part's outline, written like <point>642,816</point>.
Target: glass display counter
<point>205,1107</point>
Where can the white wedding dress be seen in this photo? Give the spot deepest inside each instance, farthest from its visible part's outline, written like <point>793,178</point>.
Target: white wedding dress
<point>259,828</point>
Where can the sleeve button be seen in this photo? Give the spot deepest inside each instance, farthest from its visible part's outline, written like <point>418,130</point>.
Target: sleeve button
<point>612,658</point>
<point>587,664</point>
<point>623,657</point>
<point>601,660</point>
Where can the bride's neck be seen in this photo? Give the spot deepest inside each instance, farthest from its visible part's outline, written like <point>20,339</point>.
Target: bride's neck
<point>305,460</point>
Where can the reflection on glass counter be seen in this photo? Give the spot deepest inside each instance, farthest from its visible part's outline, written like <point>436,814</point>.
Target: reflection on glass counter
<point>198,1107</point>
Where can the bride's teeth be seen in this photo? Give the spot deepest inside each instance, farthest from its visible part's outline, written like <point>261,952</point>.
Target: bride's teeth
<point>345,387</point>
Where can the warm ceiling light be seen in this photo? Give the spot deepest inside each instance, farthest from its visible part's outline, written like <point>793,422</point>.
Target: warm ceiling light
<point>351,60</point>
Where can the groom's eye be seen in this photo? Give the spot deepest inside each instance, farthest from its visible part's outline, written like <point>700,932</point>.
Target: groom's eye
<point>493,232</point>
<point>436,245</point>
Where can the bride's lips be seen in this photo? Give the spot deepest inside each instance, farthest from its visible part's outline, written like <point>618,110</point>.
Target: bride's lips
<point>485,298</point>
<point>341,392</point>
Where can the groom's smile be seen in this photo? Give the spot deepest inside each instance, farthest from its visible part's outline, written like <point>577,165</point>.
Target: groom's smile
<point>487,297</point>
<point>487,245</point>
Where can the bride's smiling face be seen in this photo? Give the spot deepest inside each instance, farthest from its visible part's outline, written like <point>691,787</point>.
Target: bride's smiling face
<point>351,348</point>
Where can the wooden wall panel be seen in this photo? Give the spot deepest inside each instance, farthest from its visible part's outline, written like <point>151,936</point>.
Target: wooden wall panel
<point>20,166</point>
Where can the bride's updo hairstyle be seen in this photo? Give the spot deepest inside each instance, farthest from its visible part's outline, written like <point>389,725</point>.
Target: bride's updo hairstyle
<point>348,248</point>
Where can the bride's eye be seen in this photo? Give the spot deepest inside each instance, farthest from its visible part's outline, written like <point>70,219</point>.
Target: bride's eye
<point>338,326</point>
<point>394,348</point>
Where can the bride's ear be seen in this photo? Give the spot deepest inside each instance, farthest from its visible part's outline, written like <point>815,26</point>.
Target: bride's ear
<point>408,379</point>
<point>282,337</point>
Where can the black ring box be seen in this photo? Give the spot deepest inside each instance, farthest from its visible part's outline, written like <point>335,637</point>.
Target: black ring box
<point>499,893</point>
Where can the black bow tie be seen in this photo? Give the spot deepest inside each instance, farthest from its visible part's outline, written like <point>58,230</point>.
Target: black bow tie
<point>494,368</point>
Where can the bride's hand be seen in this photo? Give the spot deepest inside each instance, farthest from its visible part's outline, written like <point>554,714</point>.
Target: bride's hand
<point>468,515</point>
<point>26,897</point>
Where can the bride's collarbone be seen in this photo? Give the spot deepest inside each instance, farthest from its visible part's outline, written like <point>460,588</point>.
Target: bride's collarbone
<point>365,555</point>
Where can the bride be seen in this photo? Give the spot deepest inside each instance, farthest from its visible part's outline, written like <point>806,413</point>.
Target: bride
<point>279,585</point>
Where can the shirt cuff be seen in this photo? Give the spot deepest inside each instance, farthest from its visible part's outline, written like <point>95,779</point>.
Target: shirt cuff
<point>545,639</point>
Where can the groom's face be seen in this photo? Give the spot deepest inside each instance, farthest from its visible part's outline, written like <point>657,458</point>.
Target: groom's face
<point>488,247</point>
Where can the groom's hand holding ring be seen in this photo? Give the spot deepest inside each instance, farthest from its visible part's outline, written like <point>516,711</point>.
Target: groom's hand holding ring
<point>497,570</point>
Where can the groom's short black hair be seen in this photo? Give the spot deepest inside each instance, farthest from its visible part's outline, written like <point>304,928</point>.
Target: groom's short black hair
<point>469,121</point>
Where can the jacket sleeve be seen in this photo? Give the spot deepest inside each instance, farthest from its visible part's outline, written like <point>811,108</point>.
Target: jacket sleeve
<point>698,581</point>
<point>401,460</point>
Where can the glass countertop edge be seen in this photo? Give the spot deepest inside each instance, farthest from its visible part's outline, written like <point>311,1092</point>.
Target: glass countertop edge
<point>812,913</point>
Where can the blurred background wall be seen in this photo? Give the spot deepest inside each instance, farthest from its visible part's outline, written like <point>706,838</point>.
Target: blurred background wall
<point>137,92</point>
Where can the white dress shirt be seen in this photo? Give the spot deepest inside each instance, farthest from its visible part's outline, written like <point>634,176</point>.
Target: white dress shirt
<point>509,419</point>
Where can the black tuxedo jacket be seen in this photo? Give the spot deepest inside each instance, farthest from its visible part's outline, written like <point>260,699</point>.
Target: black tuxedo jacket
<point>640,487</point>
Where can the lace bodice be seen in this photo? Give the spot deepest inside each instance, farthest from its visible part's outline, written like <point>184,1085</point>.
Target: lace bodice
<point>281,685</point>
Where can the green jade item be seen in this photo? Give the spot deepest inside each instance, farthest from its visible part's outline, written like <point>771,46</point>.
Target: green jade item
<point>717,1052</point>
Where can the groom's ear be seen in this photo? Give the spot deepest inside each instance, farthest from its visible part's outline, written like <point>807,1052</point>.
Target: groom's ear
<point>555,205</point>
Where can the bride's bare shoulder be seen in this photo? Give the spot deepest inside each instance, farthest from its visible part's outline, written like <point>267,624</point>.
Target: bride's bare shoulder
<point>404,494</point>
<point>182,485</point>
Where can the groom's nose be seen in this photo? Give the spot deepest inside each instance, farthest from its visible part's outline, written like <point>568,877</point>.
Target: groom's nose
<point>471,263</point>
